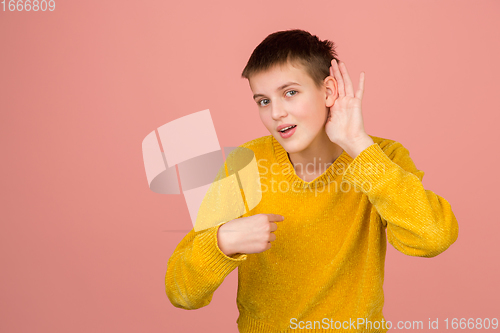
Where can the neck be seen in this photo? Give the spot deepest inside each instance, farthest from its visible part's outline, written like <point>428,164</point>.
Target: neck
<point>315,159</point>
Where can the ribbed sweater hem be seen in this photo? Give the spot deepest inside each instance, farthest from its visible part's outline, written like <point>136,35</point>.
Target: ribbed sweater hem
<point>247,324</point>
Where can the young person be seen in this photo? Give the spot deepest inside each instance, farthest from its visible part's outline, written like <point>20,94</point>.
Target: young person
<point>332,197</point>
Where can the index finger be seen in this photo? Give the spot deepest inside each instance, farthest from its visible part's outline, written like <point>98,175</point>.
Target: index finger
<point>338,76</point>
<point>349,90</point>
<point>275,217</point>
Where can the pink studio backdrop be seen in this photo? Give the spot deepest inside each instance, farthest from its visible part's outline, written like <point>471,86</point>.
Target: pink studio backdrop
<point>83,240</point>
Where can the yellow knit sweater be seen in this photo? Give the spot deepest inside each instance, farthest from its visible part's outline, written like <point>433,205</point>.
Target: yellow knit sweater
<point>325,270</point>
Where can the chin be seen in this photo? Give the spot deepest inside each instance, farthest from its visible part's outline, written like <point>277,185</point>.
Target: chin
<point>292,147</point>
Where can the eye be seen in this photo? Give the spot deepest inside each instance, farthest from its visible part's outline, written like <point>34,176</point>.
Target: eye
<point>260,102</point>
<point>294,91</point>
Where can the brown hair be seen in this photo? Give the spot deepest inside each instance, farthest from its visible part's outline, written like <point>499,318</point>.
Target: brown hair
<point>294,46</point>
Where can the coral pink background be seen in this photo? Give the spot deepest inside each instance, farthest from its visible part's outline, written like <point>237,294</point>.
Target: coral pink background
<point>83,246</point>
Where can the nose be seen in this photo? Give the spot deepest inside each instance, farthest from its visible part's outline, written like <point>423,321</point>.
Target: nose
<point>278,110</point>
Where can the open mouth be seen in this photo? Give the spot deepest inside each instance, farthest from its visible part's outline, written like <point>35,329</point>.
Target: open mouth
<point>286,129</point>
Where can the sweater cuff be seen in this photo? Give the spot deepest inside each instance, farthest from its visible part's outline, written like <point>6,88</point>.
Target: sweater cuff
<point>368,168</point>
<point>215,259</point>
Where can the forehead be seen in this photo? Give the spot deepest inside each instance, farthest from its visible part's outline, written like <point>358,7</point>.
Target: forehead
<point>269,80</point>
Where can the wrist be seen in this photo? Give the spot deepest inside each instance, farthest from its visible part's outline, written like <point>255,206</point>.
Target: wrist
<point>356,146</point>
<point>223,247</point>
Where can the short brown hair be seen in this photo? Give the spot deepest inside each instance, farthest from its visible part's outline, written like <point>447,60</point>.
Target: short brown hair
<point>294,46</point>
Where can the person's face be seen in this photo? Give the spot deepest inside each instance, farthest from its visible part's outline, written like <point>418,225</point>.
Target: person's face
<point>288,95</point>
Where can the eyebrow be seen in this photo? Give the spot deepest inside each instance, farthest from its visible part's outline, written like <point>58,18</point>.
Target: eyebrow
<point>279,88</point>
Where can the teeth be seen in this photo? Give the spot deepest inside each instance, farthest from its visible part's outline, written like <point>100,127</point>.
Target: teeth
<point>284,129</point>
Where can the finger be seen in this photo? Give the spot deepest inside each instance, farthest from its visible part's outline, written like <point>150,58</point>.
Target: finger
<point>275,217</point>
<point>274,227</point>
<point>272,237</point>
<point>349,90</point>
<point>338,77</point>
<point>361,89</point>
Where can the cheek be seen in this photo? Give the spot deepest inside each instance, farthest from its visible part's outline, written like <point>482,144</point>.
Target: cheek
<point>266,120</point>
<point>313,117</point>
<point>318,110</point>
<point>310,112</point>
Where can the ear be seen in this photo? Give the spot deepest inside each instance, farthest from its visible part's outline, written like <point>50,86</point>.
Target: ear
<point>331,90</point>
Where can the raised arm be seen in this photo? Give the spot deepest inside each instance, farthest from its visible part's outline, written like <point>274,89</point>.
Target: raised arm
<point>418,222</point>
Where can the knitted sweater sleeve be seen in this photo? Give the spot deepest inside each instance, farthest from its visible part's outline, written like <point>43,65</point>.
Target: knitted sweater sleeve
<point>418,221</point>
<point>198,266</point>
